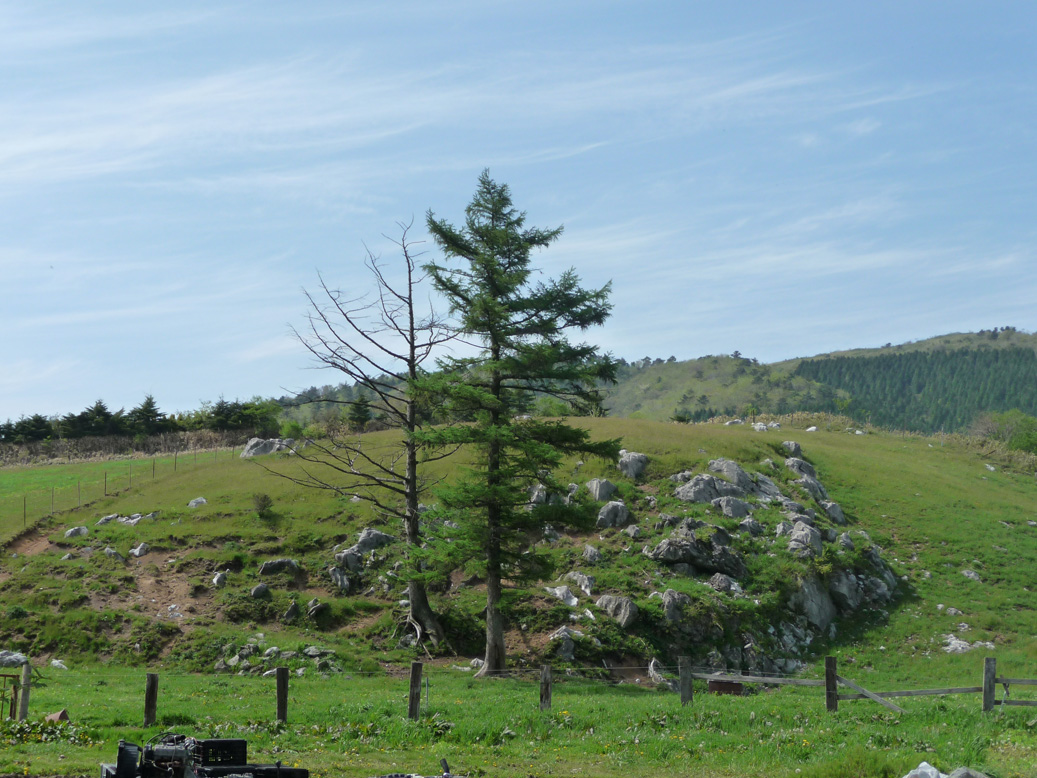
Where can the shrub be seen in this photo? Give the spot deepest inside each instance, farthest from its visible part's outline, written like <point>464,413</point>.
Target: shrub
<point>262,503</point>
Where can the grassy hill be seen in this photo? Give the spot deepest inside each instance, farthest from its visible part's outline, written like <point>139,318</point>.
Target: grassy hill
<point>938,384</point>
<point>936,507</point>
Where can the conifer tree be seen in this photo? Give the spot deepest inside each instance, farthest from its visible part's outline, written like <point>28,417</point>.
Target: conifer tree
<point>518,329</point>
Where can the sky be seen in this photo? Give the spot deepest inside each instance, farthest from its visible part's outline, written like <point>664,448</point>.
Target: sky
<point>781,179</point>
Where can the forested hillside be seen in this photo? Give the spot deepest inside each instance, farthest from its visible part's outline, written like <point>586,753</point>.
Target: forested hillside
<point>930,391</point>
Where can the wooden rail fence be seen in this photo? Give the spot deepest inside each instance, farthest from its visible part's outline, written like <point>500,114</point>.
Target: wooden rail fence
<point>723,683</point>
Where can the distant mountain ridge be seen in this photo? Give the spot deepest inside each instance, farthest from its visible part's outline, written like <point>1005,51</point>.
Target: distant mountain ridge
<point>937,384</point>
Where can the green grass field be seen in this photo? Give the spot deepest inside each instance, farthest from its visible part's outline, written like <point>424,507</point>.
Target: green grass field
<point>935,507</point>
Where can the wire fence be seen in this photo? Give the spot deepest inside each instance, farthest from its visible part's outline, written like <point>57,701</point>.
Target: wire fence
<point>76,485</point>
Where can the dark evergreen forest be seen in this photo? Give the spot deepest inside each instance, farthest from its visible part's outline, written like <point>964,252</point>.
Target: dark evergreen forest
<point>930,391</point>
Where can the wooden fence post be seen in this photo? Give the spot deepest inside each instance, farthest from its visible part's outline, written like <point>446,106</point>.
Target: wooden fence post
<point>23,692</point>
<point>545,687</point>
<point>831,685</point>
<point>684,665</point>
<point>414,696</point>
<point>989,674</point>
<point>282,694</point>
<point>150,699</point>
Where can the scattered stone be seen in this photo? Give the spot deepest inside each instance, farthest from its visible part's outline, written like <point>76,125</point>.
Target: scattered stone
<point>273,566</point>
<point>673,604</point>
<point>655,674</point>
<point>257,447</point>
<point>591,554</point>
<point>76,532</point>
<point>804,540</point>
<point>61,715</point>
<point>106,519</point>
<point>140,550</point>
<point>632,464</point>
<point>633,531</point>
<point>972,575</point>
<point>12,659</point>
<point>57,664</point>
<point>551,535</point>
<point>563,593</point>
<point>792,448</point>
<point>111,553</point>
<point>752,526</point>
<point>955,645</point>
<point>732,507</point>
<point>621,609</point>
<point>260,590</point>
<point>833,512</point>
<point>759,427</point>
<point>725,584</point>
<point>585,582</point>
<point>197,501</point>
<point>291,614</point>
<point>220,579</point>
<point>613,514</point>
<point>567,645</point>
<point>811,429</point>
<point>339,578</point>
<point>601,489</point>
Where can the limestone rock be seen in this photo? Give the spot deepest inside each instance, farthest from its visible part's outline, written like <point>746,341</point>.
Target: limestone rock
<point>111,553</point>
<point>585,582</point>
<point>621,609</point>
<point>12,659</point>
<point>274,566</point>
<point>257,447</point>
<point>339,578</point>
<point>563,593</point>
<point>657,677</point>
<point>833,512</point>
<point>706,488</point>
<point>567,646</point>
<point>792,448</point>
<point>732,507</point>
<point>846,590</point>
<point>805,540</point>
<point>197,501</point>
<point>260,590</point>
<point>76,532</point>
<point>673,604</point>
<point>752,526</point>
<point>141,549</point>
<point>220,579</point>
<point>591,554</point>
<point>633,531</point>
<point>632,464</point>
<point>291,614</point>
<point>613,514</point>
<point>601,489</point>
<point>814,602</point>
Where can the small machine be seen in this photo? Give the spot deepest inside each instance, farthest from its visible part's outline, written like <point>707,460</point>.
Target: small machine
<point>172,755</point>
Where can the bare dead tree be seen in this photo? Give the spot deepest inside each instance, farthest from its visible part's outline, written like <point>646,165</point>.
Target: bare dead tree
<point>379,343</point>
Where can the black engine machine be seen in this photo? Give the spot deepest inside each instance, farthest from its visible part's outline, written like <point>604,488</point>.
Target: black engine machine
<point>178,756</point>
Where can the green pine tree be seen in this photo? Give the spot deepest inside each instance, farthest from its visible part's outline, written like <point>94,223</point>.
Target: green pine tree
<point>520,328</point>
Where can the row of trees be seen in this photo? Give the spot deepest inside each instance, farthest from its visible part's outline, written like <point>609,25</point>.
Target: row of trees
<point>146,419</point>
<point>513,332</point>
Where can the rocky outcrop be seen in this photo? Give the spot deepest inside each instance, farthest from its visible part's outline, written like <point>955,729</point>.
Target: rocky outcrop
<point>601,489</point>
<point>613,514</point>
<point>632,464</point>
<point>622,609</point>
<point>257,447</point>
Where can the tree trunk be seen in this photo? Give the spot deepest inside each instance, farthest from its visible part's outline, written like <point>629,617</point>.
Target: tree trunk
<point>422,613</point>
<point>495,660</point>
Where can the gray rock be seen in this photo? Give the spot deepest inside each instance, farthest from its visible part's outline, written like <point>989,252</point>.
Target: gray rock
<point>706,488</point>
<point>972,575</point>
<point>76,532</point>
<point>563,593</point>
<point>141,549</point>
<point>350,560</point>
<point>220,579</point>
<point>657,677</point>
<point>315,609</point>
<point>783,528</point>
<point>537,494</point>
<point>621,609</point>
<point>289,616</point>
<point>591,554</point>
<point>752,526</point>
<point>613,514</point>
<point>813,487</point>
<point>274,566</point>
<point>800,467</point>
<point>805,540</point>
<point>57,664</point>
<point>814,602</point>
<point>733,473</point>
<point>723,583</point>
<point>567,645</point>
<point>583,581</point>
<point>732,507</point>
<point>260,590</point>
<point>967,772</point>
<point>846,590</point>
<point>106,519</point>
<point>833,512</point>
<point>633,531</point>
<point>197,501</point>
<point>111,553</point>
<point>760,427</point>
<point>792,448</point>
<point>339,578</point>
<point>632,464</point>
<point>12,659</point>
<point>369,540</point>
<point>257,447</point>
<point>673,604</point>
<point>601,489</point>
<point>551,535</point>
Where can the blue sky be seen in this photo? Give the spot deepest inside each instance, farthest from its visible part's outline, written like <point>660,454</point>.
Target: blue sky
<point>783,179</point>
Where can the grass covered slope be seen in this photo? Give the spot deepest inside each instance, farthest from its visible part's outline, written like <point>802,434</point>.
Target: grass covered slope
<point>936,510</point>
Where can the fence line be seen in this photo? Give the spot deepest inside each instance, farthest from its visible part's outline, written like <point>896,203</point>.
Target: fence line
<point>21,697</point>
<point>19,511</point>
